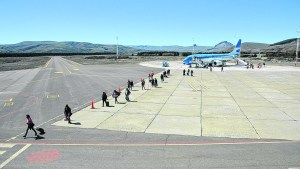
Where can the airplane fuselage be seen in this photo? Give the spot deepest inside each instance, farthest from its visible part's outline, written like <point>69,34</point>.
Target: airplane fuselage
<point>209,58</point>
<point>215,59</point>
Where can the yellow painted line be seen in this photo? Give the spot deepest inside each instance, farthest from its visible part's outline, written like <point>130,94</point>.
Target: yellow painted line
<point>11,99</point>
<point>2,152</point>
<point>14,156</point>
<point>68,70</point>
<point>76,69</point>
<point>58,72</point>
<point>6,145</point>
<point>52,96</point>
<point>4,105</point>
<point>47,63</point>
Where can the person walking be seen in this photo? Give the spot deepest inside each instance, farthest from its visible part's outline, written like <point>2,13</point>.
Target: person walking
<point>127,93</point>
<point>188,72</point>
<point>183,72</point>
<point>165,74</point>
<point>222,68</point>
<point>162,78</point>
<point>104,98</point>
<point>152,83</point>
<point>143,84</point>
<point>131,84</point>
<point>192,72</point>
<point>30,126</point>
<point>155,82</point>
<point>68,113</point>
<point>128,83</point>
<point>116,95</point>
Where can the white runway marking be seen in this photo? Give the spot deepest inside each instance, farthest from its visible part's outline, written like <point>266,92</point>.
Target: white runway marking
<point>14,156</point>
<point>6,145</point>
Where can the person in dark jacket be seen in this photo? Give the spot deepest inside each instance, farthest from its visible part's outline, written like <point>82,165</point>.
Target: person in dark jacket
<point>143,84</point>
<point>128,83</point>
<point>155,82</point>
<point>68,113</point>
<point>30,126</point>
<point>116,95</point>
<point>104,98</point>
<point>168,72</point>
<point>161,78</point>
<point>127,93</point>
<point>131,85</point>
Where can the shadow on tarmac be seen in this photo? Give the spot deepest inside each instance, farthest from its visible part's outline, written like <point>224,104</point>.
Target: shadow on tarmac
<point>76,123</point>
<point>36,138</point>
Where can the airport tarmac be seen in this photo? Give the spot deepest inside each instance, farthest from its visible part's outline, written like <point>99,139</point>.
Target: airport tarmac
<point>238,103</point>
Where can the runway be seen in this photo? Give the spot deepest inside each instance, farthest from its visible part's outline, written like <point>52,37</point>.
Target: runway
<point>44,92</point>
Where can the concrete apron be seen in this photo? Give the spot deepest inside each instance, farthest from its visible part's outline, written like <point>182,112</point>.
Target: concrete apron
<point>237,104</point>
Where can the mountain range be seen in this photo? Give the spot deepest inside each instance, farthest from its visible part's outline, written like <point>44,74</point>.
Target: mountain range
<point>288,45</point>
<point>63,47</point>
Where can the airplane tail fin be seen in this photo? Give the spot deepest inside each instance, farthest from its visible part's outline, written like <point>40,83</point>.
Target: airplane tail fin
<point>237,49</point>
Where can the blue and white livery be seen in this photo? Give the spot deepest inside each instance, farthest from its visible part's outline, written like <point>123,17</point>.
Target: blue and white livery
<point>214,59</point>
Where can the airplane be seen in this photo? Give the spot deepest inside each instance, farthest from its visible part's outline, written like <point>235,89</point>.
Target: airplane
<point>215,59</point>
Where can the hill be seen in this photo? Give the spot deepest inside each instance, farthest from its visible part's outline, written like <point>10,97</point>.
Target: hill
<point>288,45</point>
<point>172,48</point>
<point>220,47</point>
<point>285,46</point>
<point>63,47</point>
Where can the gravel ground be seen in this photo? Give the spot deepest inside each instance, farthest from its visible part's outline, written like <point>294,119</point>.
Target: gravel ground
<point>18,63</point>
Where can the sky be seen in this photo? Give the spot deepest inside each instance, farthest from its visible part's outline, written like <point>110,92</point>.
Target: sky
<point>149,22</point>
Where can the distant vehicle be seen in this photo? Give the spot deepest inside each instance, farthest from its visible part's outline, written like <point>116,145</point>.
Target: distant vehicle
<point>165,64</point>
<point>215,59</point>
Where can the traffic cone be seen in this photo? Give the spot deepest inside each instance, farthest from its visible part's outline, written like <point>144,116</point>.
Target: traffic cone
<point>93,106</point>
<point>119,89</point>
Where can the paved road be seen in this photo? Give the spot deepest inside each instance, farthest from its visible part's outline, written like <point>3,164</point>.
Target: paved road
<point>43,93</point>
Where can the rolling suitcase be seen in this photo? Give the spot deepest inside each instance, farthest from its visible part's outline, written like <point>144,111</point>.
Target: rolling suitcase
<point>107,103</point>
